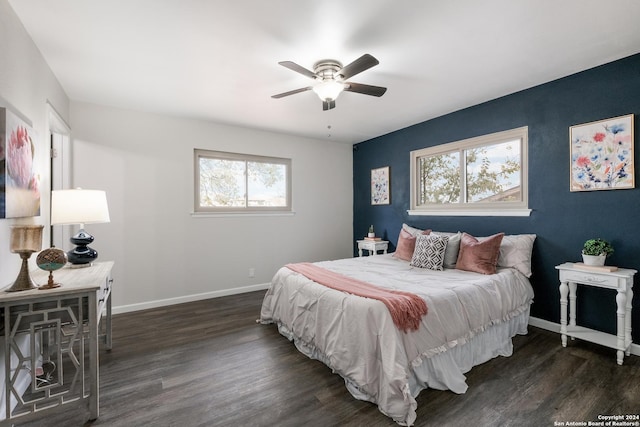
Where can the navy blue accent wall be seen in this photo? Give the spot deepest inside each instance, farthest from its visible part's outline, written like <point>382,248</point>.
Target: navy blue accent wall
<point>562,220</point>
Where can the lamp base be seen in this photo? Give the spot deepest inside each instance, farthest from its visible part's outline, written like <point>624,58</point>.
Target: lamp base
<point>23,281</point>
<point>82,255</point>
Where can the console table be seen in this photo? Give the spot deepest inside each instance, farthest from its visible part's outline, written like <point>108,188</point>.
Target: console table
<point>622,281</point>
<point>50,336</point>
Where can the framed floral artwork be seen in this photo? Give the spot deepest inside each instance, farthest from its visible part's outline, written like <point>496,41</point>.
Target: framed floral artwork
<point>19,177</point>
<point>380,193</point>
<point>602,155</point>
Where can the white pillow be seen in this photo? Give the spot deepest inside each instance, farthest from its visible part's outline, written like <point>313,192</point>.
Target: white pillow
<point>515,252</point>
<point>429,252</point>
<point>412,230</point>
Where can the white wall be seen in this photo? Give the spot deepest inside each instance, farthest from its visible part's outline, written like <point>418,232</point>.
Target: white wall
<point>145,164</point>
<point>26,84</point>
<point>163,254</point>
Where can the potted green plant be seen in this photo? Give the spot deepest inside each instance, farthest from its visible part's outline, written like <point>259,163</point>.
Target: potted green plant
<point>371,232</point>
<point>595,251</point>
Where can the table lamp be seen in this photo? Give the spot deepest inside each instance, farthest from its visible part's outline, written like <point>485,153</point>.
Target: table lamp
<point>25,240</point>
<point>79,206</point>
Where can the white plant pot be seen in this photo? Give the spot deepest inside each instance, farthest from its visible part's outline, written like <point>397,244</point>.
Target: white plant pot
<point>371,235</point>
<point>594,259</point>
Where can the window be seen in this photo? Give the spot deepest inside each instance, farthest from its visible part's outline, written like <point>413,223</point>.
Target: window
<point>486,175</point>
<point>241,183</point>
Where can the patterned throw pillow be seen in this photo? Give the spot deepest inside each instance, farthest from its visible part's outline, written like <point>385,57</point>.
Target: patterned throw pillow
<point>429,252</point>
<point>453,247</point>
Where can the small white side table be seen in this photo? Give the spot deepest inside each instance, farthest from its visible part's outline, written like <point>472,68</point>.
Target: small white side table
<point>373,246</point>
<point>620,280</point>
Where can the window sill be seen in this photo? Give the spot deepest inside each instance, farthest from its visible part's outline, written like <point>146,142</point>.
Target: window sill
<point>474,212</point>
<point>240,214</point>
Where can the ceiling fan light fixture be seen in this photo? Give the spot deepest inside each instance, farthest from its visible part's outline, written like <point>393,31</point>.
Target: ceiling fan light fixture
<point>328,90</point>
<point>331,77</point>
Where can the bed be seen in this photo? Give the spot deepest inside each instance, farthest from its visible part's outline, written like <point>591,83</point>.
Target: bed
<point>471,318</point>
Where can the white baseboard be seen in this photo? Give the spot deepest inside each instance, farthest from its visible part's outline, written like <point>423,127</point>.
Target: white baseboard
<point>188,298</point>
<point>555,327</point>
<point>544,324</point>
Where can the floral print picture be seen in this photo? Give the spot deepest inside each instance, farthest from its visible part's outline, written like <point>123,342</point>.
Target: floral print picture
<point>19,180</point>
<point>602,155</point>
<point>380,186</point>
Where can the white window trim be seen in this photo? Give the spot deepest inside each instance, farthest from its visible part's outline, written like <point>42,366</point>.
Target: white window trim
<point>237,214</point>
<point>199,211</point>
<point>475,212</point>
<point>475,209</point>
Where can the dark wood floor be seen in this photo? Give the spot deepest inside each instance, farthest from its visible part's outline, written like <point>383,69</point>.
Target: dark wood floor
<point>208,363</point>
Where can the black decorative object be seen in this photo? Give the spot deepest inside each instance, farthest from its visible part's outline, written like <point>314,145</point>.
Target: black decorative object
<point>82,253</point>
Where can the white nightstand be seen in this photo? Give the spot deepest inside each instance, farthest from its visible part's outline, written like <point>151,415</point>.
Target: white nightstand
<point>620,280</point>
<point>373,246</point>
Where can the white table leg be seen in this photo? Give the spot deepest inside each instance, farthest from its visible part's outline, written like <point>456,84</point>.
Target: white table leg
<point>109,337</point>
<point>627,322</point>
<point>564,290</point>
<point>573,295</point>
<point>94,374</point>
<point>621,301</point>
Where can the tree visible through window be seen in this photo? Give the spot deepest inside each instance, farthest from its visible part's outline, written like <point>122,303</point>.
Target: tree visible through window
<point>232,182</point>
<point>493,173</point>
<point>479,172</point>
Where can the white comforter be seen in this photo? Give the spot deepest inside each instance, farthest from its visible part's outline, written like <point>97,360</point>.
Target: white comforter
<point>356,337</point>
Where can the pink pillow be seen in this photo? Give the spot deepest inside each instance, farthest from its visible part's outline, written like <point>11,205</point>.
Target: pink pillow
<point>479,256</point>
<point>406,245</point>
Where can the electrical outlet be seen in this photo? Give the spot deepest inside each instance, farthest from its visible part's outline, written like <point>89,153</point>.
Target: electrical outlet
<point>252,272</point>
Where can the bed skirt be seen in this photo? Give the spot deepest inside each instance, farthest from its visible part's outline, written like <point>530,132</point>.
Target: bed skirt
<point>442,371</point>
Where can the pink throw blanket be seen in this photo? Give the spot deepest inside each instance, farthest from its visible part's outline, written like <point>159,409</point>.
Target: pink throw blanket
<point>406,309</point>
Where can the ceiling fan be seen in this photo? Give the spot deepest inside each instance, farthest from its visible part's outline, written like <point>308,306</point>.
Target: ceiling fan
<point>331,76</point>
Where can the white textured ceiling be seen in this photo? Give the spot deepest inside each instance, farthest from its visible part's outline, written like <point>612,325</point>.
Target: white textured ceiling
<point>218,59</point>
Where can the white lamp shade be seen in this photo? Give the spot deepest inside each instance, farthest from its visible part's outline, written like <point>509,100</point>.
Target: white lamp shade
<point>79,206</point>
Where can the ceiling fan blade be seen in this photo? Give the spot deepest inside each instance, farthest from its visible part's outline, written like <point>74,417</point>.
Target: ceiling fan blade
<point>291,92</point>
<point>365,89</point>
<point>328,105</point>
<point>298,69</point>
<point>361,64</point>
